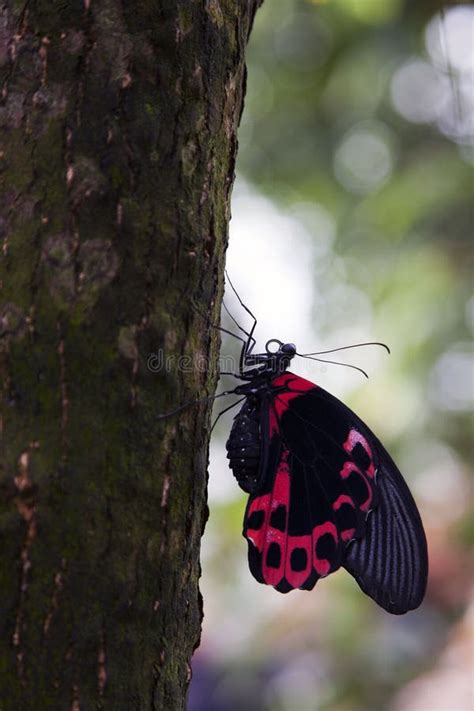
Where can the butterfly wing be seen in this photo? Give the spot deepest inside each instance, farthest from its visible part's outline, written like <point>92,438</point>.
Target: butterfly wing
<point>298,519</point>
<point>390,562</point>
<point>330,495</point>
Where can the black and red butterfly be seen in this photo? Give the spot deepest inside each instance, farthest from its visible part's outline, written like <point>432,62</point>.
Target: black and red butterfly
<point>324,492</point>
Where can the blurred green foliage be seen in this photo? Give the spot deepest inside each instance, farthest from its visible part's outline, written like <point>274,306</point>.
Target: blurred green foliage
<point>360,107</point>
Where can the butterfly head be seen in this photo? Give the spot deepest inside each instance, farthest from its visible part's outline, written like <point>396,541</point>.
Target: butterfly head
<point>274,361</point>
<point>285,354</point>
<point>288,349</point>
<point>279,354</point>
<point>283,350</point>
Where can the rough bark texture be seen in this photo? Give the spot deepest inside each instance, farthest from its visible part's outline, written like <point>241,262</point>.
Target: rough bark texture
<point>118,138</point>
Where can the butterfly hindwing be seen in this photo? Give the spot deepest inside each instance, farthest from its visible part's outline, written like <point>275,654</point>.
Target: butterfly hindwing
<point>300,517</point>
<point>280,527</point>
<point>391,562</point>
<point>322,472</point>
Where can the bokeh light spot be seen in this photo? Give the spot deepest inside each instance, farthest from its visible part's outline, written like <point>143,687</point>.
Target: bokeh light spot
<point>452,379</point>
<point>418,91</point>
<point>449,39</point>
<point>364,158</point>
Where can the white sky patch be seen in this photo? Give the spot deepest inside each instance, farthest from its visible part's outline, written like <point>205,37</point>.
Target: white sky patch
<point>270,262</point>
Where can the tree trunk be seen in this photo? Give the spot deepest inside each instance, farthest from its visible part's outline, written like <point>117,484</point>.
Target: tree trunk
<point>118,140</point>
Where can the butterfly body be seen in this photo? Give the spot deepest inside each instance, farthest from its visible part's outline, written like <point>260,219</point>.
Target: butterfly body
<point>243,445</point>
<point>323,491</point>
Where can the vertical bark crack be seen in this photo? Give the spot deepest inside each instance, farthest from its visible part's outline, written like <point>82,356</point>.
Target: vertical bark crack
<point>101,664</point>
<point>58,585</point>
<point>26,507</point>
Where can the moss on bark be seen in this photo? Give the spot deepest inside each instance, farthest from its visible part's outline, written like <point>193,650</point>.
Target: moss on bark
<point>117,146</point>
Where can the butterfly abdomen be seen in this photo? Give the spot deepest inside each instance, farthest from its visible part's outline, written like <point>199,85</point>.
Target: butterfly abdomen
<point>243,446</point>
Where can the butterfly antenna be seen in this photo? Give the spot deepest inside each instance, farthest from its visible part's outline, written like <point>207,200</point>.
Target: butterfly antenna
<point>335,362</point>
<point>345,348</point>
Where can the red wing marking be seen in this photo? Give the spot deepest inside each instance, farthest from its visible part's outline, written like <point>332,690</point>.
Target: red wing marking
<point>257,535</point>
<point>293,382</point>
<point>342,499</point>
<point>348,533</point>
<point>294,386</point>
<point>298,546</point>
<point>355,437</point>
<point>271,541</point>
<point>351,468</point>
<point>323,566</point>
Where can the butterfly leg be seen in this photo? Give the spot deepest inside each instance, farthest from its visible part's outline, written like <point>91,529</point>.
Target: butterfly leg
<point>187,404</point>
<point>250,343</point>
<point>222,412</point>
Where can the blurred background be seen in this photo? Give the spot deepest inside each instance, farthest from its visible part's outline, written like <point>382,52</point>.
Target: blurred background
<point>352,222</point>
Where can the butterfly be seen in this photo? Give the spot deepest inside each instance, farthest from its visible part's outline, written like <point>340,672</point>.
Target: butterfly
<point>323,491</point>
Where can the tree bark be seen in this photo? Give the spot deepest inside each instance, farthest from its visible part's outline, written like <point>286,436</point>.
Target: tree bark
<point>118,140</point>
